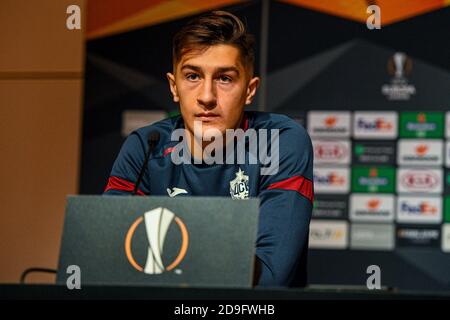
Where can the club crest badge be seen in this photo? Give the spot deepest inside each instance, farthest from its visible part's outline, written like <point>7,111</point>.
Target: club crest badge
<point>239,186</point>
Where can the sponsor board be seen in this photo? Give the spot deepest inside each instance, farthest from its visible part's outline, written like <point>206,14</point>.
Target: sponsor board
<point>420,152</point>
<point>373,179</point>
<point>331,151</point>
<point>418,236</point>
<point>419,180</point>
<point>330,206</point>
<point>447,154</point>
<point>421,124</point>
<point>333,124</point>
<point>419,209</point>
<point>447,124</point>
<point>446,181</point>
<point>372,207</point>
<point>374,153</point>
<point>365,236</point>
<point>328,234</point>
<point>446,237</point>
<point>375,125</point>
<point>447,209</point>
<point>331,180</point>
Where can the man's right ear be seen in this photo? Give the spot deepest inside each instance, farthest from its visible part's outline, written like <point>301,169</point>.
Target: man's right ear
<point>173,86</point>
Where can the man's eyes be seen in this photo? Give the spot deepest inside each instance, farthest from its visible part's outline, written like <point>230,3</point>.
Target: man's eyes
<point>225,79</point>
<point>192,76</point>
<point>196,77</point>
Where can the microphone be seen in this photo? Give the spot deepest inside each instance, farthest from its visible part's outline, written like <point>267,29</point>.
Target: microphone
<point>152,141</point>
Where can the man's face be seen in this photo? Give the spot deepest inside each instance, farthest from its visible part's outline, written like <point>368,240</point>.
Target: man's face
<point>212,86</point>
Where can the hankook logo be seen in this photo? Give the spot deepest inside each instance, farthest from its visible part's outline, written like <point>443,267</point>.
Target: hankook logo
<point>419,180</point>
<point>331,151</point>
<point>157,223</point>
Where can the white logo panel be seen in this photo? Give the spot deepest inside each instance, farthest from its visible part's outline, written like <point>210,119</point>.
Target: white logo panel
<point>419,209</point>
<point>447,124</point>
<point>372,207</point>
<point>420,152</point>
<point>446,237</point>
<point>331,151</point>
<point>375,125</point>
<point>419,180</point>
<point>331,180</point>
<point>447,154</point>
<point>328,234</point>
<point>333,124</point>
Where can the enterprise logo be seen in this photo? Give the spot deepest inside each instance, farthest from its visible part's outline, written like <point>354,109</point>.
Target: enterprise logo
<point>372,207</point>
<point>420,152</point>
<point>334,124</point>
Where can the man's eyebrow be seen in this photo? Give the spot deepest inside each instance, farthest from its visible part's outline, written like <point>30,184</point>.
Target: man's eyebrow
<point>226,69</point>
<point>190,66</point>
<point>219,69</point>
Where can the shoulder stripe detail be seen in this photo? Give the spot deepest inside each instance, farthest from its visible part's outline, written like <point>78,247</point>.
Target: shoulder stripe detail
<point>297,183</point>
<point>245,120</point>
<point>116,183</point>
<point>167,151</point>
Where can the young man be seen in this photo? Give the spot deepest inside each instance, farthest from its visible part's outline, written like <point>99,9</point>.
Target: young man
<point>212,81</point>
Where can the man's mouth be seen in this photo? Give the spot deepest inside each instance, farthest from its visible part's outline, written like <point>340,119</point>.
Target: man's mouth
<point>206,116</point>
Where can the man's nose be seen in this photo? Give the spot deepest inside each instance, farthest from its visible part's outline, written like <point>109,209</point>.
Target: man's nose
<point>207,96</point>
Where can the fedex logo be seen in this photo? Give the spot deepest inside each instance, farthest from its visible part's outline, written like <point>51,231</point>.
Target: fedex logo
<point>419,209</point>
<point>331,180</point>
<point>375,125</point>
<point>378,124</point>
<point>423,208</point>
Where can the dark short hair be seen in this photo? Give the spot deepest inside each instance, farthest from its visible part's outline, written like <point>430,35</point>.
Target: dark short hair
<point>216,27</point>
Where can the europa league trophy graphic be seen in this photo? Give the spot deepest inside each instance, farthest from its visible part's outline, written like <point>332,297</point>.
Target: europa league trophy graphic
<point>399,64</point>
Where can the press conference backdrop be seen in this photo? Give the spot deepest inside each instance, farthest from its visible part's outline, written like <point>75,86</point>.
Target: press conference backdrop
<point>374,102</point>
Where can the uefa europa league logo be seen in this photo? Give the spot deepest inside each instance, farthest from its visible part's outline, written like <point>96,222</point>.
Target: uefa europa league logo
<point>157,223</point>
<point>399,65</point>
